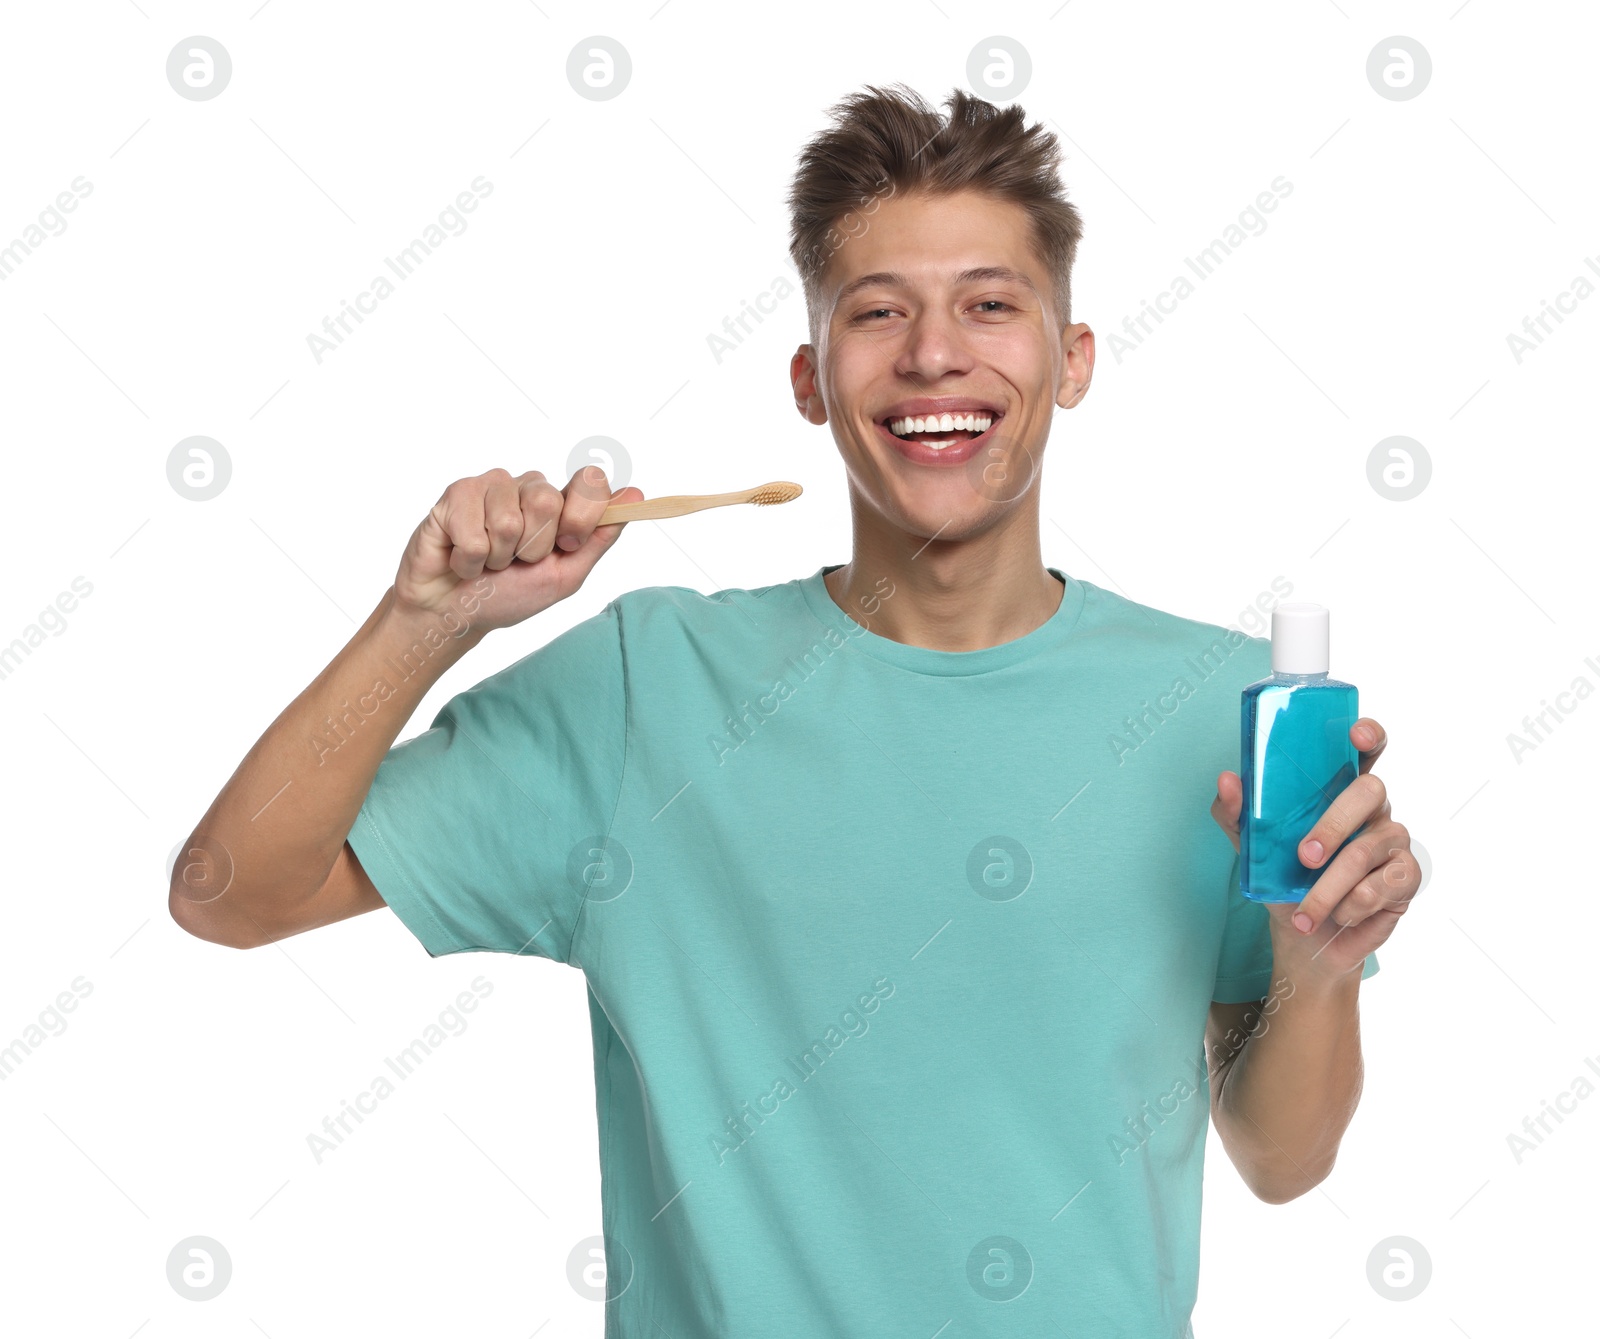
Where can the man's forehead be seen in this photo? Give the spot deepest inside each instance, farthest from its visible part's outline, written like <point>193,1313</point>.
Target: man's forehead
<point>935,274</point>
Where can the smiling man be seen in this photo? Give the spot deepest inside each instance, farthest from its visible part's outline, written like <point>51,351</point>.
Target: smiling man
<point>915,954</point>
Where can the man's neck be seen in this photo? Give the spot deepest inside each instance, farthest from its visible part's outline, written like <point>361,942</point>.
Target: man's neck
<point>948,597</point>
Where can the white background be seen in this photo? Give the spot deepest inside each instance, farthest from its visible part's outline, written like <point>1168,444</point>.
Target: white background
<point>1229,448</point>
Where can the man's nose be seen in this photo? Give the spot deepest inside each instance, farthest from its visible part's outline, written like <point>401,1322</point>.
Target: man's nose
<point>936,343</point>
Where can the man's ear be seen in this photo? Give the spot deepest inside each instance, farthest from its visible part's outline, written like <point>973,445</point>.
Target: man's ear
<point>1077,364</point>
<point>803,377</point>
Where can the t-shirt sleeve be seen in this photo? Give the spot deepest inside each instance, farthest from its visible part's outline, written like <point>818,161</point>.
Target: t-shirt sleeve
<point>1244,967</point>
<point>479,833</point>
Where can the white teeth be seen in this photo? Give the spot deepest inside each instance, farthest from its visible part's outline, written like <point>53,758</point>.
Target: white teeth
<point>968,422</point>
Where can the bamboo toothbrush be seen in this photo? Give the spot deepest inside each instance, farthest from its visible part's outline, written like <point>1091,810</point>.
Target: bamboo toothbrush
<point>659,508</point>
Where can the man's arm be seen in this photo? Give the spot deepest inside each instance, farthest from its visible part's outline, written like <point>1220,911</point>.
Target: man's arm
<point>1285,1082</point>
<point>1286,1073</point>
<point>270,858</point>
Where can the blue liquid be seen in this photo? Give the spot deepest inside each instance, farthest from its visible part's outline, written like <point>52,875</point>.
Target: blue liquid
<point>1297,758</point>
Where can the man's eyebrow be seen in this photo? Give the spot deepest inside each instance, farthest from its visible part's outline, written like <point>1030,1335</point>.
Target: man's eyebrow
<point>979,274</point>
<point>998,274</point>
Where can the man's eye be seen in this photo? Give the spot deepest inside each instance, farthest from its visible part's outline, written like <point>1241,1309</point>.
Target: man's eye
<point>868,315</point>
<point>996,302</point>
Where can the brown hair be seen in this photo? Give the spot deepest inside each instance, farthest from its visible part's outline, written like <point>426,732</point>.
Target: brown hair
<point>889,140</point>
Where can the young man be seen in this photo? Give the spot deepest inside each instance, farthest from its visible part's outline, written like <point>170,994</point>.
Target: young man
<point>904,922</point>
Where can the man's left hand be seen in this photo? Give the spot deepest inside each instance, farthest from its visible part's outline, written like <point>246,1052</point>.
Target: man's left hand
<point>1359,898</point>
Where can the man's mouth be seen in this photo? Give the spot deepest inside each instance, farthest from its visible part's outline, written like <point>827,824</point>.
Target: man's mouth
<point>939,431</point>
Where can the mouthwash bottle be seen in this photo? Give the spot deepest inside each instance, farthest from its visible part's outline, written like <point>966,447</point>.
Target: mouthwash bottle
<point>1297,755</point>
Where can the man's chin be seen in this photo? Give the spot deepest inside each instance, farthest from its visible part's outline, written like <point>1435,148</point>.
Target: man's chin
<point>956,517</point>
<point>998,473</point>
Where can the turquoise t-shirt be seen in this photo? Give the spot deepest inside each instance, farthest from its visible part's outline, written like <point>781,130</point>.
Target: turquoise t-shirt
<point>898,959</point>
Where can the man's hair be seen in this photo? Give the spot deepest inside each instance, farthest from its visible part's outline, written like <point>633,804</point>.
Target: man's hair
<point>889,141</point>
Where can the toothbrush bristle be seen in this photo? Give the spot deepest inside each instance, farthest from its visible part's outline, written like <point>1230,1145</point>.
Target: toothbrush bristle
<point>772,493</point>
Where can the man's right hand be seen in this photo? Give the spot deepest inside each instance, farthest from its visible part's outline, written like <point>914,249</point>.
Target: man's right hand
<point>540,542</point>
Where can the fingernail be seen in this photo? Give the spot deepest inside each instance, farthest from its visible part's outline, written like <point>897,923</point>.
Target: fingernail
<point>1313,851</point>
<point>568,542</point>
<point>1302,922</point>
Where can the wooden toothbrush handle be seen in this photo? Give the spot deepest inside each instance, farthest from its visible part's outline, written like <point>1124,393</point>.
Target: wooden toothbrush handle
<point>659,508</point>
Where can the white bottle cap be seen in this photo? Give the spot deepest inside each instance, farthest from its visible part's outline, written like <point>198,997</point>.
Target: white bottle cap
<point>1299,638</point>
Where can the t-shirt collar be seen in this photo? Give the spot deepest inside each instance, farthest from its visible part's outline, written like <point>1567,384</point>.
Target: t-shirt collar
<point>926,660</point>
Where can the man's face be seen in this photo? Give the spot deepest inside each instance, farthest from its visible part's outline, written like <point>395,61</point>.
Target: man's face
<point>941,306</point>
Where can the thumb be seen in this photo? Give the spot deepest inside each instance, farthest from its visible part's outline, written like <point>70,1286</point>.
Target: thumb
<point>1228,805</point>
<point>580,562</point>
